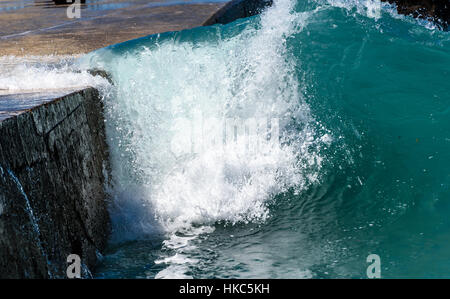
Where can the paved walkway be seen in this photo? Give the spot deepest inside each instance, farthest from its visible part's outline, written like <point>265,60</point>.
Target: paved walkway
<point>39,27</point>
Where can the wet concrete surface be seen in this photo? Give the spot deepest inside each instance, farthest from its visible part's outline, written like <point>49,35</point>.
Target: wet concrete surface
<point>39,27</point>
<point>15,103</point>
<point>39,32</point>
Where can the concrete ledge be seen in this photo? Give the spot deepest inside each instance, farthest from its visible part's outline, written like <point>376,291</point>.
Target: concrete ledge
<point>53,167</point>
<point>44,28</point>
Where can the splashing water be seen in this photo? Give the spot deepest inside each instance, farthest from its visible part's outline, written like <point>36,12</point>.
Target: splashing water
<point>324,70</point>
<point>44,73</point>
<point>166,80</point>
<point>350,157</point>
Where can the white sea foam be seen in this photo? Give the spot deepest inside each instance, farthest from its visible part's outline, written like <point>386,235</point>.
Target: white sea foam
<point>43,73</point>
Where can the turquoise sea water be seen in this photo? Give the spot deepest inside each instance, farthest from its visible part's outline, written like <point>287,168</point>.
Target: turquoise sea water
<point>363,101</point>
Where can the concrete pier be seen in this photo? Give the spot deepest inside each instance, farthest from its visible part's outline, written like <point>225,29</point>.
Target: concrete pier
<point>39,27</point>
<point>53,170</point>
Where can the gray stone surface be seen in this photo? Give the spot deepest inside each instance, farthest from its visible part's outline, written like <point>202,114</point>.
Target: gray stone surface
<point>237,9</point>
<point>30,27</point>
<point>53,167</point>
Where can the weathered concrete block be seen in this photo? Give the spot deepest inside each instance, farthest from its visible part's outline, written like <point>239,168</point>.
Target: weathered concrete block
<point>53,160</point>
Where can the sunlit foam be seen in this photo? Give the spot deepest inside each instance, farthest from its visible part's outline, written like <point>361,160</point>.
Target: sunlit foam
<point>44,73</point>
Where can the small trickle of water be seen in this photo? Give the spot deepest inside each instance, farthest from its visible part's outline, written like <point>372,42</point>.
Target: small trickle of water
<point>33,220</point>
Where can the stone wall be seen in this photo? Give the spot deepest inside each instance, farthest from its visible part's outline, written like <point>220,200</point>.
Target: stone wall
<point>237,9</point>
<point>53,168</point>
<point>436,10</point>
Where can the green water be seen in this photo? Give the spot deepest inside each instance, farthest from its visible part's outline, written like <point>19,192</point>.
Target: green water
<point>364,101</point>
